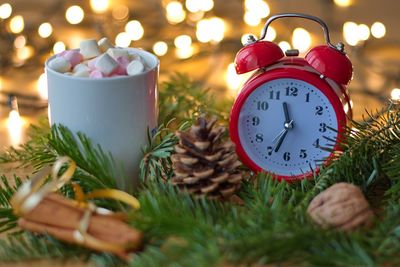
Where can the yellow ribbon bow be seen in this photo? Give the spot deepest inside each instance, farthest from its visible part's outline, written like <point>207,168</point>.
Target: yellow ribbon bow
<point>32,192</point>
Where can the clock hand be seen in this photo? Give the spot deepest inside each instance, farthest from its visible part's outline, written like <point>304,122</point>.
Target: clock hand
<point>288,126</point>
<point>278,135</point>
<point>280,141</point>
<point>286,111</point>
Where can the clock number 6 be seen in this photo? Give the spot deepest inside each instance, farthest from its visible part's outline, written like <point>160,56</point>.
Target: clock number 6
<point>286,156</point>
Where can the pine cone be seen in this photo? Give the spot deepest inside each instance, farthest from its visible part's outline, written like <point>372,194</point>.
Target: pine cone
<point>341,206</point>
<point>203,164</point>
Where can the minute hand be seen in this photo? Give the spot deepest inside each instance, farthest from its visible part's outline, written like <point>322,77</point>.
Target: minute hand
<point>280,141</point>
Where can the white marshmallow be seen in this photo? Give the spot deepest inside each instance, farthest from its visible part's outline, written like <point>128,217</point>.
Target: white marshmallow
<point>115,53</point>
<point>82,73</point>
<point>135,56</point>
<point>81,67</point>
<point>106,64</point>
<point>60,64</point>
<point>89,48</point>
<point>104,44</point>
<point>135,67</point>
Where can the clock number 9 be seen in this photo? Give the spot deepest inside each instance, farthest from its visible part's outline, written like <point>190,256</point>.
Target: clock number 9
<point>255,121</point>
<point>318,110</point>
<point>291,91</point>
<point>262,105</point>
<point>286,156</point>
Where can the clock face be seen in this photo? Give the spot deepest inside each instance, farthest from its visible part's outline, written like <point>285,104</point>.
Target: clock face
<point>285,126</point>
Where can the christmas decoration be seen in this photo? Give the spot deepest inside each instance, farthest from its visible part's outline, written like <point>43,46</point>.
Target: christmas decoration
<point>289,116</point>
<point>270,227</point>
<point>74,221</point>
<point>341,206</point>
<point>203,164</point>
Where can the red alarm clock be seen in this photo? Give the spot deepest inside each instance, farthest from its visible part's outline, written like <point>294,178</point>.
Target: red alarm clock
<point>289,115</point>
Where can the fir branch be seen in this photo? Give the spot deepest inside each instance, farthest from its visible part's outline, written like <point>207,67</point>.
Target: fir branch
<point>8,220</point>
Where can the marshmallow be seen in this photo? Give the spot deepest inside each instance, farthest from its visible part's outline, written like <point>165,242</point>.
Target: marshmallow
<point>106,64</point>
<point>123,62</point>
<point>135,67</point>
<point>81,67</point>
<point>117,52</point>
<point>82,73</point>
<point>89,48</point>
<point>104,44</point>
<point>60,64</point>
<point>73,56</point>
<point>134,56</point>
<point>62,53</point>
<point>96,74</point>
<point>92,63</point>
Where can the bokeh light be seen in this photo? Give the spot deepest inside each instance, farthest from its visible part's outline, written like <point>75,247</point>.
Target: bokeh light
<point>175,12</point>
<point>395,94</point>
<point>58,47</point>
<point>183,41</point>
<point>41,86</point>
<point>284,46</point>
<point>134,29</point>
<point>271,34</point>
<point>251,19</point>
<point>343,3</point>
<point>99,6</point>
<point>350,33</point>
<point>378,30</point>
<point>74,14</point>
<point>210,30</point>
<point>5,11</point>
<point>160,48</point>
<point>123,39</point>
<point>301,39</point>
<point>258,8</point>
<point>20,41</point>
<point>363,32</point>
<point>45,30</point>
<point>120,12</point>
<point>17,24</point>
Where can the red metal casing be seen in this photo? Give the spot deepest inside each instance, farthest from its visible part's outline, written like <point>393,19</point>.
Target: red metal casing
<point>331,63</point>
<point>296,68</point>
<point>257,55</point>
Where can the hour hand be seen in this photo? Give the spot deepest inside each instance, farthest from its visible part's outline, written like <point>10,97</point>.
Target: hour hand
<point>286,111</point>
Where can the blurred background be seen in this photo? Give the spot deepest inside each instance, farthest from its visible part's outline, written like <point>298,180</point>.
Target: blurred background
<point>197,37</point>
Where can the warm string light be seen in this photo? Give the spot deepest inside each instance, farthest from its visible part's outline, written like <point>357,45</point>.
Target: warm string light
<point>198,6</point>
<point>25,53</point>
<point>123,39</point>
<point>17,24</point>
<point>45,30</point>
<point>41,86</point>
<point>14,123</point>
<point>284,46</point>
<point>74,14</point>
<point>175,12</point>
<point>301,39</point>
<point>19,41</point>
<point>342,3</point>
<point>5,11</point>
<point>210,30</point>
<point>120,12</point>
<point>134,29</point>
<point>58,47</point>
<point>378,30</point>
<point>99,6</point>
<point>255,11</point>
<point>234,81</point>
<point>271,34</point>
<point>395,94</point>
<point>160,48</point>
<point>184,48</point>
<point>354,34</point>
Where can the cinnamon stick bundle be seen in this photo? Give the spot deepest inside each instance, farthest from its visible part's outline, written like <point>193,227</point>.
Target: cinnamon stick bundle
<point>60,217</point>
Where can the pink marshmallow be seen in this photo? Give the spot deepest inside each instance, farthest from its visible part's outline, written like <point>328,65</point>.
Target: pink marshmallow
<point>96,74</point>
<point>92,63</point>
<point>74,57</point>
<point>61,54</point>
<point>123,62</point>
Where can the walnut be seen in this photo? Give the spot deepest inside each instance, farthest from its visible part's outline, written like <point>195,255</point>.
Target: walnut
<point>342,206</point>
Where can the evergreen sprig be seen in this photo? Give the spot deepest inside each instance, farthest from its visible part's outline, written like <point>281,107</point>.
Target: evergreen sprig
<point>270,227</point>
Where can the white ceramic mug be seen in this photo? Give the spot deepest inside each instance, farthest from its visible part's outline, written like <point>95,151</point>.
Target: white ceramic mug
<point>115,112</point>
